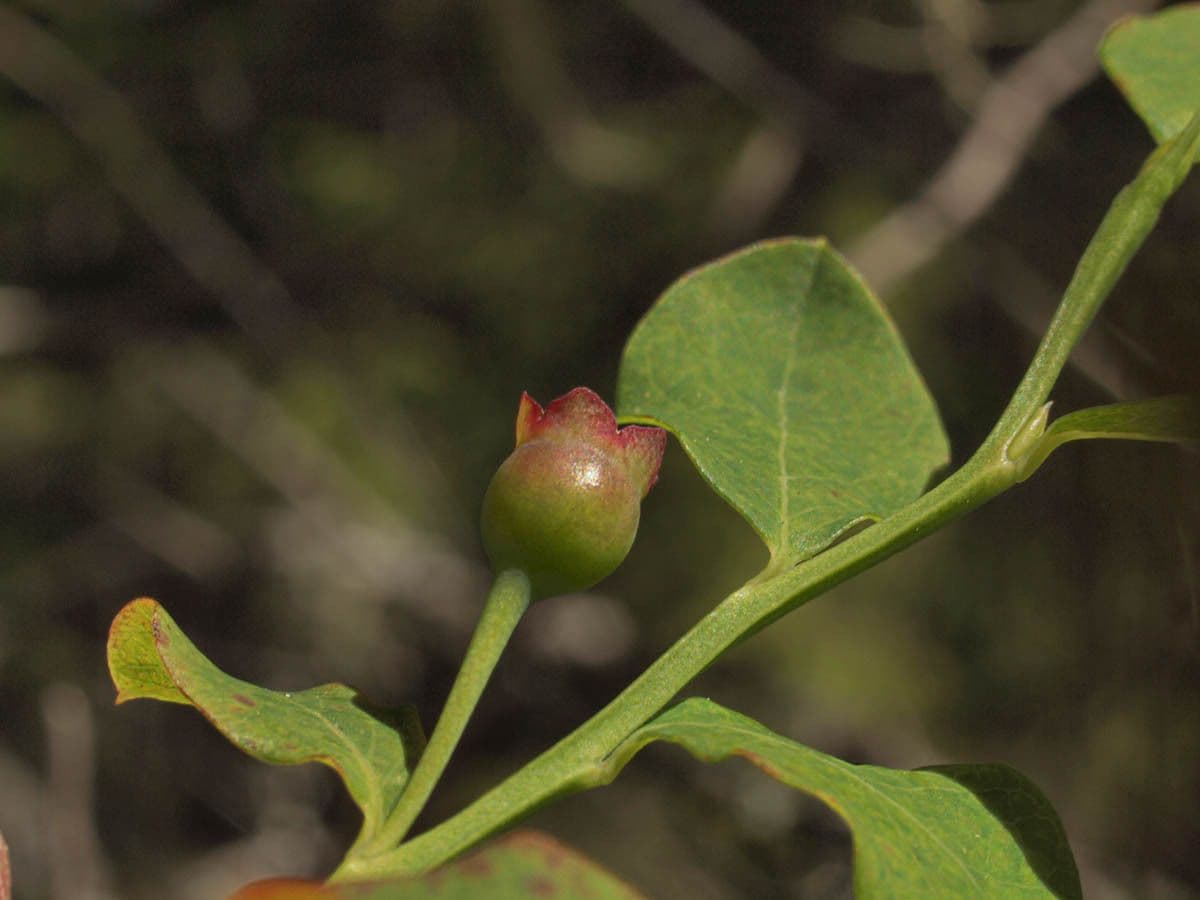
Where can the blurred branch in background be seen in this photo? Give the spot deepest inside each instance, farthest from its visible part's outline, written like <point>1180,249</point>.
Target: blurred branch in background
<point>1010,114</point>
<point>21,802</point>
<point>140,171</point>
<point>79,870</point>
<point>1112,360</point>
<point>340,516</point>
<point>180,537</point>
<point>23,320</point>
<point>773,153</point>
<point>531,64</point>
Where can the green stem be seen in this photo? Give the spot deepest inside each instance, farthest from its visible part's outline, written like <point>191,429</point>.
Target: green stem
<point>507,602</point>
<point>578,761</point>
<point>1128,222</point>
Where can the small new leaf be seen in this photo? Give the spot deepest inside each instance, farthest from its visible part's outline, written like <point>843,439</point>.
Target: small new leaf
<point>1172,420</point>
<point>372,749</point>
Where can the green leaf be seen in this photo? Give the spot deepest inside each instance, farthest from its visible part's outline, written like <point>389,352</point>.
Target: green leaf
<point>1155,62</point>
<point>1173,420</point>
<point>372,749</point>
<point>518,866</point>
<point>978,831</point>
<point>790,389</point>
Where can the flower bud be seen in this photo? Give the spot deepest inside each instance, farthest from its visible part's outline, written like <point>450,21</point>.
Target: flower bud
<point>564,506</point>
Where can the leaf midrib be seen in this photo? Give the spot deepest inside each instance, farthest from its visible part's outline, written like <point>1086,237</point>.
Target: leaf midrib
<point>782,548</point>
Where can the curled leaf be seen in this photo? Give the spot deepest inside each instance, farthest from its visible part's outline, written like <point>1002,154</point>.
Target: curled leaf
<point>372,749</point>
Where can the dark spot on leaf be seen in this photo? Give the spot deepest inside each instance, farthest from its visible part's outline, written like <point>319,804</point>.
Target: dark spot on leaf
<point>476,866</point>
<point>538,886</point>
<point>244,700</point>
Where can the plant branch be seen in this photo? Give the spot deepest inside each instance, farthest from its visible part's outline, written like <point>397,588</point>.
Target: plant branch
<point>579,760</point>
<point>507,602</point>
<point>1011,113</point>
<point>1124,229</point>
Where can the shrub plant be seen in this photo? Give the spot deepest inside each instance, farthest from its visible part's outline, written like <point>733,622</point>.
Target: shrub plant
<point>791,391</point>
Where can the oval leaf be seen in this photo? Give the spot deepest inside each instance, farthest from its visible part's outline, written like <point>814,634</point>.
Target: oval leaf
<point>372,749</point>
<point>521,865</point>
<point>1155,62</point>
<point>1172,420</point>
<point>789,387</point>
<point>979,831</point>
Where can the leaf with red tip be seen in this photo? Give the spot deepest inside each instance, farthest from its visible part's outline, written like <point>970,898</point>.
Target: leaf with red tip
<point>518,866</point>
<point>5,872</point>
<point>372,749</point>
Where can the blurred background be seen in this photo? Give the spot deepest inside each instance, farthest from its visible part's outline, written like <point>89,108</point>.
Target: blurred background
<point>272,278</point>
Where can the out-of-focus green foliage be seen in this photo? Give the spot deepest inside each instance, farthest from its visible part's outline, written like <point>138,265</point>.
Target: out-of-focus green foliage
<point>282,423</point>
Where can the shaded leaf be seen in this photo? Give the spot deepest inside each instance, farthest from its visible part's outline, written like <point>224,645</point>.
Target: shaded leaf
<point>1173,420</point>
<point>1155,61</point>
<point>372,749</point>
<point>518,866</point>
<point>979,831</point>
<point>789,387</point>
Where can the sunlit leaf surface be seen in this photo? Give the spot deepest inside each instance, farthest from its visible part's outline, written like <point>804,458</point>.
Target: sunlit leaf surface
<point>789,387</point>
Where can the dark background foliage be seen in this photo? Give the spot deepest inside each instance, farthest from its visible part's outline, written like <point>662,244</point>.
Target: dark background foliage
<point>273,275</point>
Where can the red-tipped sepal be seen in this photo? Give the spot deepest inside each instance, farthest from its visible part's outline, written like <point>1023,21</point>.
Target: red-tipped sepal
<point>581,415</point>
<point>564,507</point>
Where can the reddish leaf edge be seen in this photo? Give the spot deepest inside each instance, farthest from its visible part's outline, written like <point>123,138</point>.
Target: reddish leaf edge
<point>552,852</point>
<point>5,872</point>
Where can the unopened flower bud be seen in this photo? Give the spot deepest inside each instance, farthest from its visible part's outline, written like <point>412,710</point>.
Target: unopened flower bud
<point>564,506</point>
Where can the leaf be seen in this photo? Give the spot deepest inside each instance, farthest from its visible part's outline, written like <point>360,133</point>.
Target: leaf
<point>979,831</point>
<point>1155,62</point>
<point>1174,420</point>
<point>518,866</point>
<point>372,749</point>
<point>5,872</point>
<point>789,387</point>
